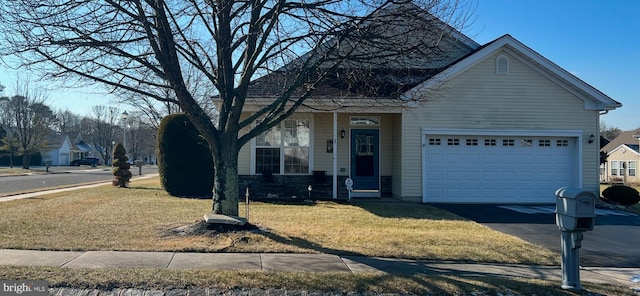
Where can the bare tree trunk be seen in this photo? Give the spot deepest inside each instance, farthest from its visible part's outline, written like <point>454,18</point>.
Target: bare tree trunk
<point>225,185</point>
<point>26,159</point>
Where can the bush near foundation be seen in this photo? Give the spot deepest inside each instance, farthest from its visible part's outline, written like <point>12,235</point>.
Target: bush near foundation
<point>621,195</point>
<point>185,163</point>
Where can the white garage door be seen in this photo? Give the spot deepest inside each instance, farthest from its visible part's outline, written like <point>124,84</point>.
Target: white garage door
<point>497,169</point>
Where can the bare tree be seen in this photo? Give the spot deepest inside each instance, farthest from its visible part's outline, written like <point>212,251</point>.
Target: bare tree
<point>141,140</point>
<point>30,119</point>
<point>9,145</point>
<point>68,122</point>
<point>103,130</point>
<point>146,46</point>
<point>609,132</point>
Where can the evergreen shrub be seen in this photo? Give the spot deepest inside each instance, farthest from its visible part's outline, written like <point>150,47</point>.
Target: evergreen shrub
<point>185,163</point>
<point>121,167</point>
<point>621,195</point>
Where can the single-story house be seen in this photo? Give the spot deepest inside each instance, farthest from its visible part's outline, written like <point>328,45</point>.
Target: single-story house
<point>61,150</point>
<point>623,156</point>
<point>492,123</point>
<point>58,149</point>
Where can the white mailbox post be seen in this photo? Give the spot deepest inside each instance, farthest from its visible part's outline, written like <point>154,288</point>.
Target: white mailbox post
<point>575,214</point>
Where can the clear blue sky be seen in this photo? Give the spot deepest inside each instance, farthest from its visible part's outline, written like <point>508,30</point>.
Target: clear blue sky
<point>596,40</point>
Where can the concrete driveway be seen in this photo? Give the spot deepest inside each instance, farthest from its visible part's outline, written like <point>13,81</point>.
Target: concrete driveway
<point>614,242</point>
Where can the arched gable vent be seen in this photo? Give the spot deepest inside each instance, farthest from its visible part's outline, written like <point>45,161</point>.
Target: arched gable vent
<point>502,65</point>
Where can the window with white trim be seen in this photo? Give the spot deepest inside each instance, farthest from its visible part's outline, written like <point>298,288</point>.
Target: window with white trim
<point>631,167</point>
<point>284,149</point>
<point>364,120</point>
<point>614,168</point>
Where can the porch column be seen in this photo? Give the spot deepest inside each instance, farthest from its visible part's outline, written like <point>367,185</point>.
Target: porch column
<point>335,155</point>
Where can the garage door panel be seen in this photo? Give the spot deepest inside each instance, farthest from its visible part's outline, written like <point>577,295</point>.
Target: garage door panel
<point>489,159</point>
<point>498,169</point>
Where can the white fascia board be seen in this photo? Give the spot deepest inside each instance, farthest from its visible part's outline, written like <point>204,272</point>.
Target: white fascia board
<point>604,102</point>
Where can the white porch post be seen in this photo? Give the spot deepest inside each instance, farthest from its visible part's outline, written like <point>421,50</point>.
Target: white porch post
<point>335,155</point>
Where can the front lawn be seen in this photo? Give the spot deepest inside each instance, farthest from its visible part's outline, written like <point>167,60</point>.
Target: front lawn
<point>144,217</point>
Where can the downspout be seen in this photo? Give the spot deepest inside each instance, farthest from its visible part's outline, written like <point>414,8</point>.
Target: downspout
<point>335,156</point>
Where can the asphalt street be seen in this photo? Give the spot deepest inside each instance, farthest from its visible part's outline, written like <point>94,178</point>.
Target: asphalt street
<point>61,177</point>
<point>613,242</point>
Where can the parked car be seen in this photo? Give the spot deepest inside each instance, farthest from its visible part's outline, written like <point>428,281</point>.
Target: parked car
<point>92,161</point>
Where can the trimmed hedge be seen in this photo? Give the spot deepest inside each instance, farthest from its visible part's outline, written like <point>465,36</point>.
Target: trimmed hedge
<point>121,167</point>
<point>185,163</point>
<point>621,195</point>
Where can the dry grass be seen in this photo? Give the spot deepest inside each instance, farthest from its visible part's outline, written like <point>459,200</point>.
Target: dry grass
<point>417,284</point>
<point>6,171</point>
<point>146,218</point>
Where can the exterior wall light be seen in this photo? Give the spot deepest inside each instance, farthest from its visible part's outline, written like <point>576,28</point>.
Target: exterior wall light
<point>343,133</point>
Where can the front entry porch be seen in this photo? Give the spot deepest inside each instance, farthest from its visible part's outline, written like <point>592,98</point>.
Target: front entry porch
<point>296,186</point>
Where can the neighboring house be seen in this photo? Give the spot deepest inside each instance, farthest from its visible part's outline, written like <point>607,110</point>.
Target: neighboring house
<point>493,123</point>
<point>58,149</point>
<point>62,150</point>
<point>623,156</point>
<point>82,149</point>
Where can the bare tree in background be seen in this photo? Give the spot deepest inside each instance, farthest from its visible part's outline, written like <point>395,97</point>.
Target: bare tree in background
<point>29,120</point>
<point>609,132</point>
<point>68,122</point>
<point>103,130</point>
<point>141,139</point>
<point>146,46</point>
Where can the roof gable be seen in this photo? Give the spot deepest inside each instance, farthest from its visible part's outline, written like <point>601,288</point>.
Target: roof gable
<point>625,148</point>
<point>625,138</point>
<point>593,98</point>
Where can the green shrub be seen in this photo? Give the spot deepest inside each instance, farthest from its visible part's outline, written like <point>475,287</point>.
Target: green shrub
<point>621,195</point>
<point>185,163</point>
<point>121,167</point>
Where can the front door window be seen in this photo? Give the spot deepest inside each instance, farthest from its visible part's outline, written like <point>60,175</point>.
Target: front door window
<point>365,159</point>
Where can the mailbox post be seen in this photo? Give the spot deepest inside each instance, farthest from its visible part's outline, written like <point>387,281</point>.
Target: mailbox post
<point>575,214</point>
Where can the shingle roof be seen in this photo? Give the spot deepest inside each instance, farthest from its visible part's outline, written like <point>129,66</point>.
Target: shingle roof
<point>626,138</point>
<point>374,73</point>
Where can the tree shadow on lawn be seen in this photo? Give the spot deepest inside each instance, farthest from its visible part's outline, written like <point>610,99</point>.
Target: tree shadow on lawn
<point>305,244</point>
<point>408,210</point>
<point>146,188</point>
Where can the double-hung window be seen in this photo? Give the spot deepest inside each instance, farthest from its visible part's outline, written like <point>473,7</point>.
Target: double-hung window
<point>631,168</point>
<point>284,149</point>
<point>614,168</point>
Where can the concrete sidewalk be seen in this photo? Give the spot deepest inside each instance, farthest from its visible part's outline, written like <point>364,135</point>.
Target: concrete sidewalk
<point>299,262</point>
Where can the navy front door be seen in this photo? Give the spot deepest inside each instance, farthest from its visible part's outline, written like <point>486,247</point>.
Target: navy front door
<point>365,162</point>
